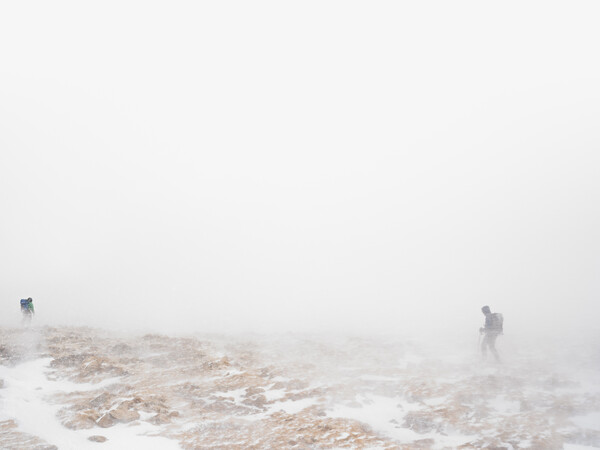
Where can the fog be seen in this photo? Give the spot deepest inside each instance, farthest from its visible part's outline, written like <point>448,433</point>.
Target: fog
<point>300,166</point>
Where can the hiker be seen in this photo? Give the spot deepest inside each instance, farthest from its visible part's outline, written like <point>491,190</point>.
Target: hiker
<point>492,329</point>
<point>27,309</point>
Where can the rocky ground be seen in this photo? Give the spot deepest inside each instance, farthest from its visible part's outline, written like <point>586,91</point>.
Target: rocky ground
<point>296,392</point>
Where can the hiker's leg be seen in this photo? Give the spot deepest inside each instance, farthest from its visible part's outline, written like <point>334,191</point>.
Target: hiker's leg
<point>492,343</point>
<point>484,345</point>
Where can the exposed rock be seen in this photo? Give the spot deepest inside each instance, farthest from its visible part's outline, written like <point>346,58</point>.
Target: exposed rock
<point>97,438</point>
<point>240,401</point>
<point>257,401</point>
<point>224,362</point>
<point>121,348</point>
<point>423,443</point>
<point>253,390</point>
<point>155,405</point>
<point>123,414</point>
<point>106,421</point>
<point>420,422</point>
<point>101,400</point>
<point>82,420</point>
<point>160,419</point>
<point>94,365</point>
<point>7,425</point>
<point>11,438</point>
<point>6,353</point>
<point>69,360</point>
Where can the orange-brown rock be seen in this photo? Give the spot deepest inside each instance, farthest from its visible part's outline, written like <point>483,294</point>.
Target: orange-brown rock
<point>82,420</point>
<point>124,414</point>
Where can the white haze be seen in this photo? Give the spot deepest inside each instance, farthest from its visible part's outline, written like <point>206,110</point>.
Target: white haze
<point>314,165</point>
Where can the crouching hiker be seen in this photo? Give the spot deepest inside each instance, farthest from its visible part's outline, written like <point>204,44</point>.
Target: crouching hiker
<point>491,330</point>
<point>27,310</point>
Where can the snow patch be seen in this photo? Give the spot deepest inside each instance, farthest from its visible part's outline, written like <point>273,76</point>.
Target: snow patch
<point>26,399</point>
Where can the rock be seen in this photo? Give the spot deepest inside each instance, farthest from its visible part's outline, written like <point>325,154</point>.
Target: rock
<point>253,391</point>
<point>122,414</point>
<point>160,419</point>
<point>82,420</point>
<point>423,443</point>
<point>7,425</point>
<point>106,421</point>
<point>257,401</point>
<point>90,366</point>
<point>224,362</point>
<point>154,404</point>
<point>68,361</point>
<point>121,348</point>
<point>101,400</point>
<point>5,352</point>
<point>419,422</point>
<point>97,438</point>
<point>1,383</point>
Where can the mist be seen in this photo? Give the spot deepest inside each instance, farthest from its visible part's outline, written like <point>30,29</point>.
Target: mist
<point>319,166</point>
<point>275,224</point>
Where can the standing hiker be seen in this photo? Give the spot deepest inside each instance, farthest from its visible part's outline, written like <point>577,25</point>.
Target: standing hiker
<point>27,309</point>
<point>492,329</point>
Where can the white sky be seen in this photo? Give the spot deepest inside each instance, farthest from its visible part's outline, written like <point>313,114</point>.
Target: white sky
<point>226,165</point>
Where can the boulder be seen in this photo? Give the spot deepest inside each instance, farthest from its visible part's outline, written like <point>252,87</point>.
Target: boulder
<point>97,438</point>
<point>101,400</point>
<point>123,414</point>
<point>90,366</point>
<point>106,421</point>
<point>420,422</point>
<point>82,420</point>
<point>160,419</point>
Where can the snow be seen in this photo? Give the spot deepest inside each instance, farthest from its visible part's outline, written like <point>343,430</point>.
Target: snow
<point>293,407</point>
<point>236,394</point>
<point>578,447</point>
<point>25,399</point>
<point>503,406</point>
<point>384,414</point>
<point>274,394</point>
<point>590,421</point>
<point>445,402</point>
<point>376,378</point>
<point>435,401</point>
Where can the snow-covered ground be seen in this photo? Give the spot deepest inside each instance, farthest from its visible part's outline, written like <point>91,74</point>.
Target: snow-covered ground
<point>63,386</point>
<point>27,399</point>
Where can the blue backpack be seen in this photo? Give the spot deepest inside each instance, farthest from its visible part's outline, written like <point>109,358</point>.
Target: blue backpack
<point>24,304</point>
